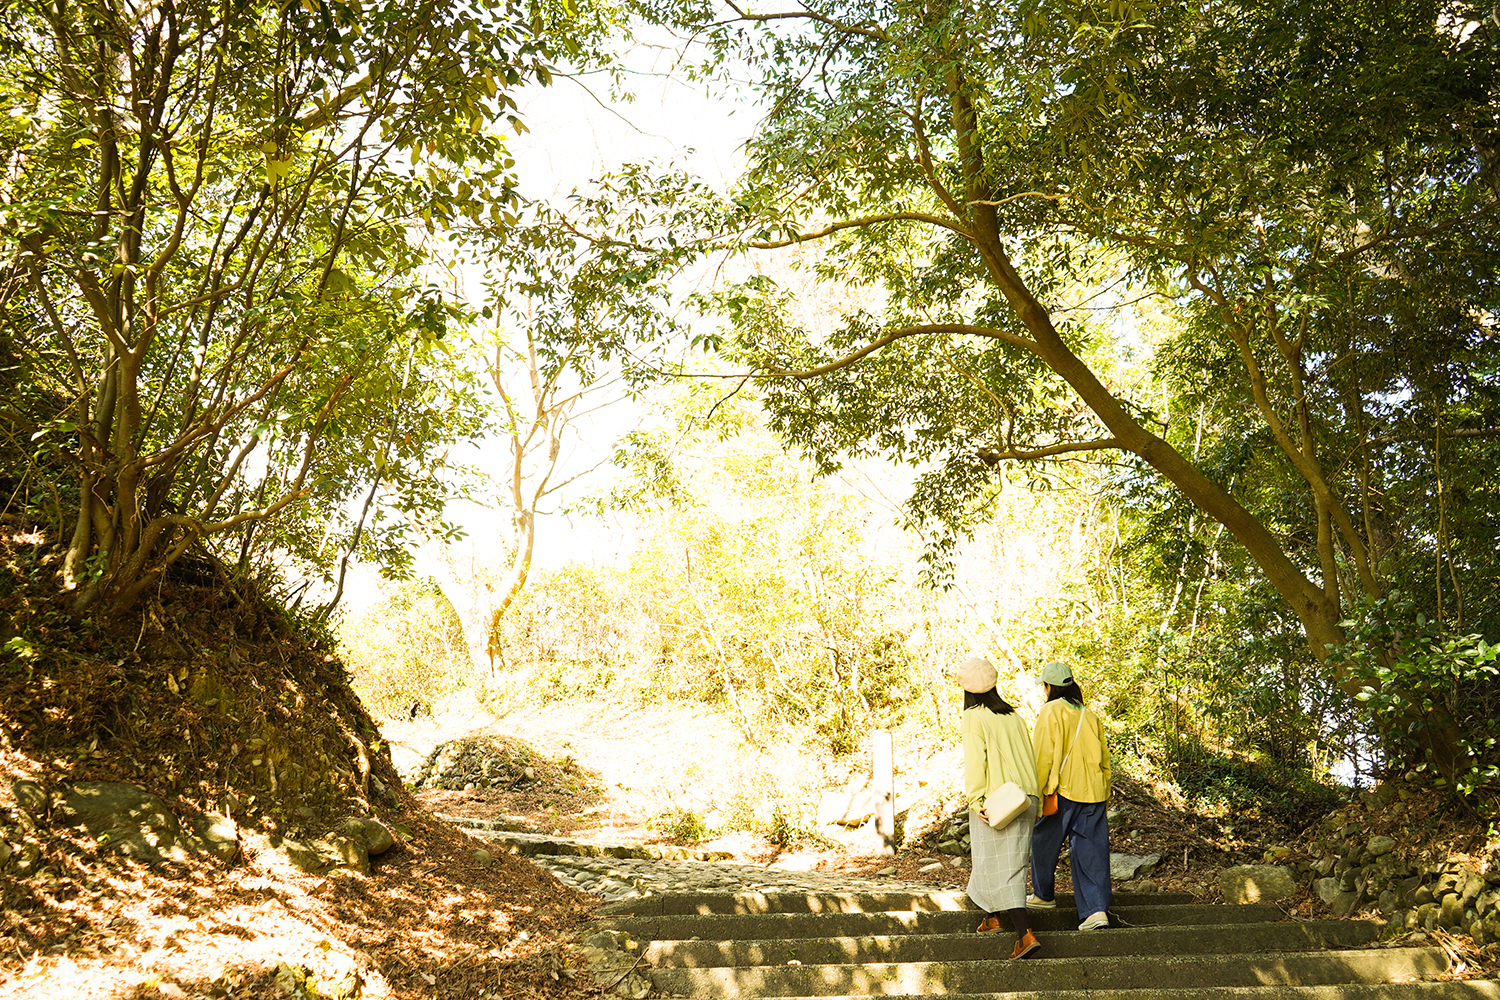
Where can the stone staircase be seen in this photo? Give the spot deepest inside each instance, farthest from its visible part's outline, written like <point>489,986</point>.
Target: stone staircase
<point>1160,946</point>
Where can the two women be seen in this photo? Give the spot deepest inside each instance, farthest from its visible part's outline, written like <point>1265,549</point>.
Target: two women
<point>997,749</point>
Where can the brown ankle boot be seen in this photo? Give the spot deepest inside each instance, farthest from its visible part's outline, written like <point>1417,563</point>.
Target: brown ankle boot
<point>1025,946</point>
<point>988,924</point>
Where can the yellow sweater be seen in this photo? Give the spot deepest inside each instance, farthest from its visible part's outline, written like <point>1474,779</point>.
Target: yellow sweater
<point>1087,775</point>
<point>997,749</point>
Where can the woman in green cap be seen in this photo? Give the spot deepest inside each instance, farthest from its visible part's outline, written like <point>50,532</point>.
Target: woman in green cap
<point>1072,762</point>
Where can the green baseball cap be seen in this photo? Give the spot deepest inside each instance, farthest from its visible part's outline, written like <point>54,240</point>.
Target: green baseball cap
<point>1057,673</point>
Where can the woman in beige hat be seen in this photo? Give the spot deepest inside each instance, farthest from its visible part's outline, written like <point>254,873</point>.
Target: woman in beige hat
<point>1072,758</point>
<point>997,749</point>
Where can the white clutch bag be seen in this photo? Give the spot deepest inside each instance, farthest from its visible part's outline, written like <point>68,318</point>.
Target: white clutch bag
<point>1005,805</point>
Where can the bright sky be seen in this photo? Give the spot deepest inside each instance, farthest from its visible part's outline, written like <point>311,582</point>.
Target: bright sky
<point>577,134</point>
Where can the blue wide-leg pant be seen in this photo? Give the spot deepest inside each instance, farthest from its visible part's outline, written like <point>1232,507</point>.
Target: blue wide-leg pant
<point>1086,825</point>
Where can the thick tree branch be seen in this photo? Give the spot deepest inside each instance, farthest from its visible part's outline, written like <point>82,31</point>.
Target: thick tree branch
<point>895,335</point>
<point>991,457</point>
<point>865,220</point>
<point>924,159</point>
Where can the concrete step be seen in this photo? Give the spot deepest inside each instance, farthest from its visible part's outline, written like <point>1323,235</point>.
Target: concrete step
<point>1134,972</point>
<point>1429,989</point>
<point>763,926</point>
<point>1127,941</point>
<point>870,901</point>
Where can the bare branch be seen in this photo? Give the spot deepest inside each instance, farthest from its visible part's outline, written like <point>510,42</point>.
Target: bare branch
<point>876,32</point>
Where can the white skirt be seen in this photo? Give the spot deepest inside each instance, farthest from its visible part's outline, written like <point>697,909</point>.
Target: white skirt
<point>1001,857</point>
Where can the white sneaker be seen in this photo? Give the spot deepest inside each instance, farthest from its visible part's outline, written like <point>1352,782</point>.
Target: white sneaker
<point>1033,903</point>
<point>1095,921</point>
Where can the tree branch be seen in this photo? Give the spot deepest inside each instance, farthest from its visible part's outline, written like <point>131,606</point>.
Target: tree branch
<point>876,32</point>
<point>865,220</point>
<point>895,335</point>
<point>991,457</point>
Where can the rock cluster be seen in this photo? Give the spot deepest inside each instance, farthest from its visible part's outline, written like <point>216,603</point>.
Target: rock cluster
<point>351,846</point>
<point>1351,868</point>
<point>613,959</point>
<point>474,762</point>
<point>953,837</point>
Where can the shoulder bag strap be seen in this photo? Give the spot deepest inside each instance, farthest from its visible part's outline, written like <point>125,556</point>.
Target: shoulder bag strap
<point>1071,745</point>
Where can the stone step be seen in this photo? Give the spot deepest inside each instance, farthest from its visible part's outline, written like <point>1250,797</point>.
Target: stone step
<point>1134,972</point>
<point>1125,941</point>
<point>1428,989</point>
<point>868,901</point>
<point>762,926</point>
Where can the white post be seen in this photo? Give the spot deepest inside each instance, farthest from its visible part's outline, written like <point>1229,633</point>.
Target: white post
<point>882,781</point>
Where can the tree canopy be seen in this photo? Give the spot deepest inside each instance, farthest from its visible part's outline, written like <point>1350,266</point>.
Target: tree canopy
<point>214,221</point>
<point>1243,250</point>
<point>1002,179</point>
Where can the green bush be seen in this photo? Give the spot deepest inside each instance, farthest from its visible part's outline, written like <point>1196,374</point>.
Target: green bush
<point>680,826</point>
<point>1433,694</point>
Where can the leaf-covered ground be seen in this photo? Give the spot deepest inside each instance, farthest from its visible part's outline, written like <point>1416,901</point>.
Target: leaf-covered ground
<point>217,702</point>
<point>428,922</point>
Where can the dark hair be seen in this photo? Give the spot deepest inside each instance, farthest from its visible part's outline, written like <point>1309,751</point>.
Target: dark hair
<point>1069,691</point>
<point>989,699</point>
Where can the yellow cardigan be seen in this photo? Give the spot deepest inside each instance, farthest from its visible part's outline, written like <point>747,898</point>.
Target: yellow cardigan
<point>1087,775</point>
<point>997,749</point>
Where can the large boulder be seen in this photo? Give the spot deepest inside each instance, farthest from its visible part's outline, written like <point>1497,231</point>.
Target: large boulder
<point>1257,883</point>
<point>371,833</point>
<point>1124,867</point>
<point>125,819</point>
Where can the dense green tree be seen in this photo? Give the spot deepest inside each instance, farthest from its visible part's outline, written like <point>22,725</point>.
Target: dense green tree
<point>213,224</point>
<point>984,169</point>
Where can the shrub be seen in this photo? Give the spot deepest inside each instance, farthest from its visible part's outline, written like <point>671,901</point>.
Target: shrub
<point>1433,695</point>
<point>680,826</point>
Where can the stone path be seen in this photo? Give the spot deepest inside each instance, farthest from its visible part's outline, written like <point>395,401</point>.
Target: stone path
<point>686,923</point>
<point>627,878</point>
<point>621,871</point>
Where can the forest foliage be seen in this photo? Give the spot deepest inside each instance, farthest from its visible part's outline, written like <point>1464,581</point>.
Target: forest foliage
<point>1211,284</point>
